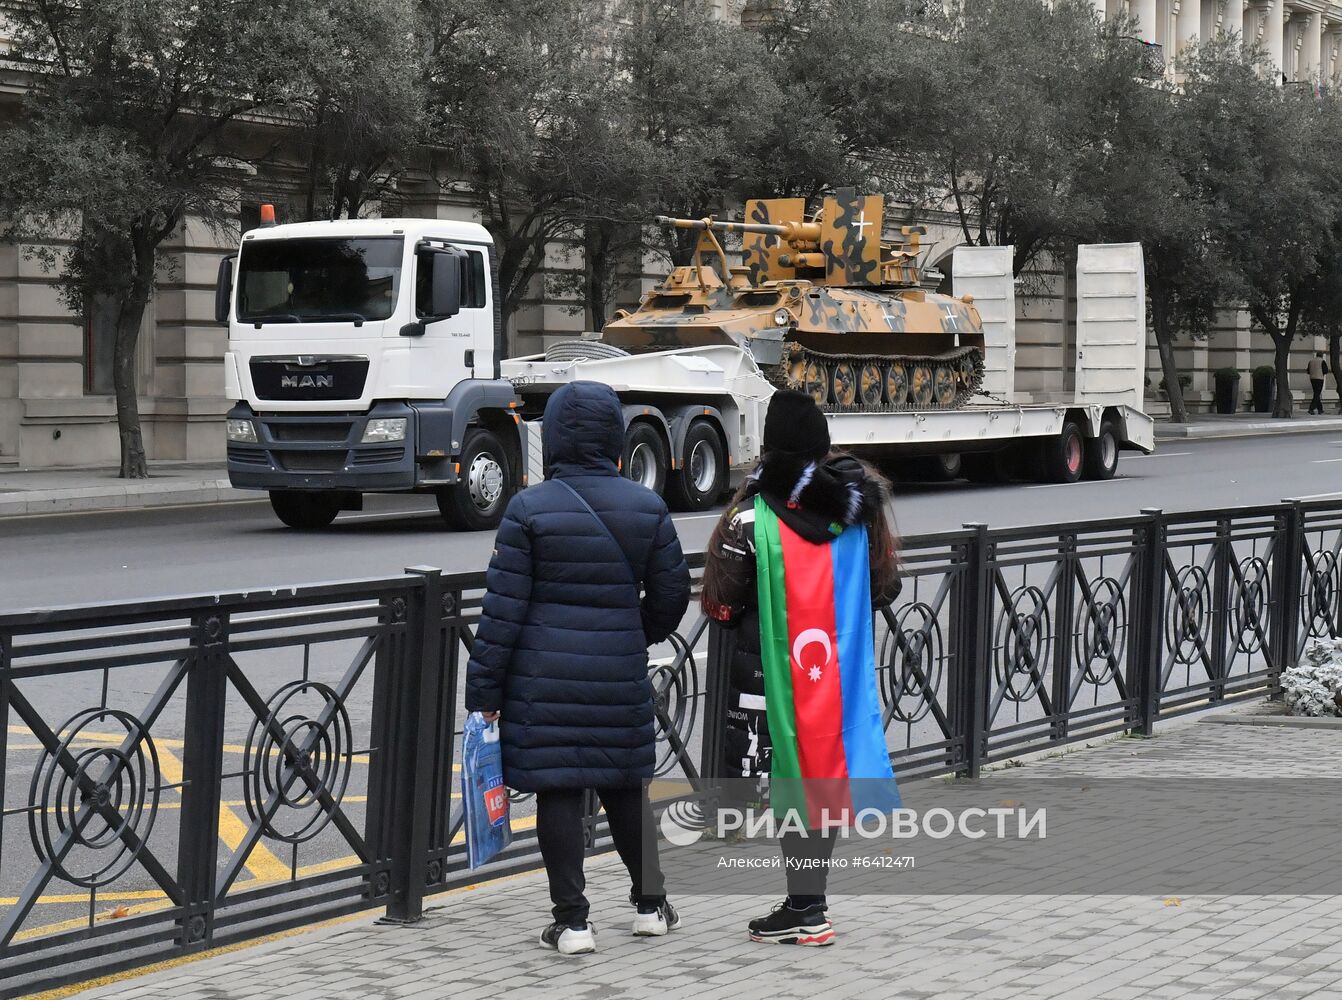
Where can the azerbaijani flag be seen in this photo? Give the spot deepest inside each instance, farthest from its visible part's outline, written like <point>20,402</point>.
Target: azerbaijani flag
<point>816,644</point>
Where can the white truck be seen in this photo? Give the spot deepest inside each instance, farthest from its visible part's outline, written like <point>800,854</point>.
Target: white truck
<point>365,356</point>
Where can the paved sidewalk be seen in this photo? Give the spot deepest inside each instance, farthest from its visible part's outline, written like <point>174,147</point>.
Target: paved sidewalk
<point>1212,425</point>
<point>481,942</point>
<point>51,491</point>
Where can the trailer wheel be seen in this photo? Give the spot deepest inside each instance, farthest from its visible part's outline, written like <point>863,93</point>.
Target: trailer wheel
<point>303,509</point>
<point>478,498</point>
<point>645,457</point>
<point>701,472</point>
<point>1102,453</point>
<point>1064,456</point>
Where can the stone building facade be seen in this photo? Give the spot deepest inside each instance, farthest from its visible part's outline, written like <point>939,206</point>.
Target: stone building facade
<point>56,406</point>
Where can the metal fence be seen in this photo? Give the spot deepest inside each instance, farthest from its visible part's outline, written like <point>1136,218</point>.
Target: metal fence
<point>180,774</point>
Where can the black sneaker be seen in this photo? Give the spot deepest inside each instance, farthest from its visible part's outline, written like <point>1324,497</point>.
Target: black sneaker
<point>656,921</point>
<point>570,940</point>
<point>788,926</point>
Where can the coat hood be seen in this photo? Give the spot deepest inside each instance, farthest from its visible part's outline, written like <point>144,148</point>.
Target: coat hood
<point>583,431</point>
<point>819,499</point>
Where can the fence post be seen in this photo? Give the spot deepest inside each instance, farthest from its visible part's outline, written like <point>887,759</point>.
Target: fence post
<point>1148,618</point>
<point>975,643</point>
<point>414,748</point>
<point>1288,568</point>
<point>1220,616</point>
<point>1063,630</point>
<point>202,777</point>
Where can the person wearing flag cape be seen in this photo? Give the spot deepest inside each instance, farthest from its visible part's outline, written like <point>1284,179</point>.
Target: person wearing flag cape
<point>795,566</point>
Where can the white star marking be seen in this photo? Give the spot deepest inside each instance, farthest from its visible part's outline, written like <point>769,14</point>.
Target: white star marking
<point>815,674</point>
<point>862,225</point>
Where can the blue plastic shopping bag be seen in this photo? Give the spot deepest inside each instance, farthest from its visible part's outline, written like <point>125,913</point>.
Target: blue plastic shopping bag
<point>483,795</point>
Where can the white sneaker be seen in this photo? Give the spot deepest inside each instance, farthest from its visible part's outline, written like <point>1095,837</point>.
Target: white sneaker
<point>570,940</point>
<point>660,921</point>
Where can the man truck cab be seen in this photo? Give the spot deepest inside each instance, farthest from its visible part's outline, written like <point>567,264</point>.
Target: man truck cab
<point>364,356</point>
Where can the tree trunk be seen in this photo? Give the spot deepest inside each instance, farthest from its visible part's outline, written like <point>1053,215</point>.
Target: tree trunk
<point>1335,363</point>
<point>1282,356</point>
<point>596,271</point>
<point>1174,390</point>
<point>129,316</point>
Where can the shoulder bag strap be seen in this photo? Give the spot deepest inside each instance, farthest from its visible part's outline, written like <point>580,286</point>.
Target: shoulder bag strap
<point>633,577</point>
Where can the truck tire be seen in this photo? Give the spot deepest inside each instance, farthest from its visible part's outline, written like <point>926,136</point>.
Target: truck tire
<point>701,472</point>
<point>1064,455</point>
<point>485,483</point>
<point>645,457</point>
<point>303,509</point>
<point>1102,453</point>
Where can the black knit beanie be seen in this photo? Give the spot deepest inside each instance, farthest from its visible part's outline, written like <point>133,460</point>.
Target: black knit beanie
<point>795,426</point>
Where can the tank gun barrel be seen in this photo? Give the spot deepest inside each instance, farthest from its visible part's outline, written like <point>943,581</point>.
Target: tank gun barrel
<point>788,231</point>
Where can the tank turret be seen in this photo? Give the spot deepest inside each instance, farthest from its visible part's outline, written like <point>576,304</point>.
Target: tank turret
<point>828,305</point>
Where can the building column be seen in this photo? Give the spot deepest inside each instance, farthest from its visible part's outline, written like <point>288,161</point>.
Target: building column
<point>1144,11</point>
<point>1311,55</point>
<point>1332,37</point>
<point>1188,23</point>
<point>1274,26</point>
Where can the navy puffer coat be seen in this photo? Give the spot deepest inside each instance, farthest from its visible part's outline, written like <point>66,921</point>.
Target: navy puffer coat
<point>562,647</point>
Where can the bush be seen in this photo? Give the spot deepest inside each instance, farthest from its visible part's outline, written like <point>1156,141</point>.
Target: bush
<point>1184,382</point>
<point>1228,373</point>
<point>1313,687</point>
<point>1265,370</point>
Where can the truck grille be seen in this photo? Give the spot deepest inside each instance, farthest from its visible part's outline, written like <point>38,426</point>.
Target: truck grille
<point>309,378</point>
<point>311,461</point>
<point>250,455</point>
<point>331,432</point>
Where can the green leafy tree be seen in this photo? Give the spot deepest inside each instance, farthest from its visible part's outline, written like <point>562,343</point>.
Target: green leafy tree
<point>123,137</point>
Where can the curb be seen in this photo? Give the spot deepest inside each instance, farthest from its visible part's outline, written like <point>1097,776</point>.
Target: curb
<point>29,503</point>
<point>1187,432</point>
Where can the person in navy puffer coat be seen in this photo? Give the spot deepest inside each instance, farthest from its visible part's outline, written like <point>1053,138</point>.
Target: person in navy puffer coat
<point>574,599</point>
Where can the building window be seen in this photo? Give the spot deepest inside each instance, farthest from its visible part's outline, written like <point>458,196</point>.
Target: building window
<point>99,345</point>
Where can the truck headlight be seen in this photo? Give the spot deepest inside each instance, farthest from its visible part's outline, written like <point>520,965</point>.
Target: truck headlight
<point>241,430</point>
<point>384,429</point>
<point>782,317</point>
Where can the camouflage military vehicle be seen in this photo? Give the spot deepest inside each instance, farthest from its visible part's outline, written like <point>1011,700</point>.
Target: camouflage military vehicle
<point>826,305</point>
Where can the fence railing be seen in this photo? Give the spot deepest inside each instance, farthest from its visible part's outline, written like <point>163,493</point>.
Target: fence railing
<point>181,774</point>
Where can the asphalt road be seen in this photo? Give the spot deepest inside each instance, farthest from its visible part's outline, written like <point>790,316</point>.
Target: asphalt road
<point>89,558</point>
<point>92,558</point>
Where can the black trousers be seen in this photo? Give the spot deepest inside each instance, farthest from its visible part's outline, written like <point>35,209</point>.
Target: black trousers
<point>1316,404</point>
<point>806,881</point>
<point>559,832</point>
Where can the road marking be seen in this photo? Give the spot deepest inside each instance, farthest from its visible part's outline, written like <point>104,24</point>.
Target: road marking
<point>698,517</point>
<point>1089,482</point>
<point>1325,461</point>
<point>1317,496</point>
<point>1159,454</point>
<point>261,861</point>
<point>359,518</point>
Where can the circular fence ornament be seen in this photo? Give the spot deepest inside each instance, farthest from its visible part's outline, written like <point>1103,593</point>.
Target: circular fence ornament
<point>1253,595</point>
<point>1024,636</point>
<point>1321,591</point>
<point>1187,608</point>
<point>912,657</point>
<point>102,797</point>
<point>1102,638</point>
<point>676,693</point>
<point>294,757</point>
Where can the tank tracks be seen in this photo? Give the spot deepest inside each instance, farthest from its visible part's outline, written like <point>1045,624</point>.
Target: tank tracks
<point>880,383</point>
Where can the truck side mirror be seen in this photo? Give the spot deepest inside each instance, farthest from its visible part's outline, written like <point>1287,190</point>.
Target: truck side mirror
<point>223,289</point>
<point>445,296</point>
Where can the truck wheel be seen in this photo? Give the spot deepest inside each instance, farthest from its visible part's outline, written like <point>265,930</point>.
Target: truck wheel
<point>702,470</point>
<point>1064,456</point>
<point>303,509</point>
<point>1102,453</point>
<point>477,500</point>
<point>645,457</point>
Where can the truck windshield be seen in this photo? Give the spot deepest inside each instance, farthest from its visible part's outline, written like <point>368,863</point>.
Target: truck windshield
<point>315,280</point>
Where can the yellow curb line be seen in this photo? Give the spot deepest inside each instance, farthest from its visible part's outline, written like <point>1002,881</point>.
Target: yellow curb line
<point>117,977</point>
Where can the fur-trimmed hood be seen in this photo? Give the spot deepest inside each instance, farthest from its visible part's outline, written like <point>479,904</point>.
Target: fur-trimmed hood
<point>813,497</point>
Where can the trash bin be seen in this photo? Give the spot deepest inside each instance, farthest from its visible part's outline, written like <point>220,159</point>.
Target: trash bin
<point>1264,388</point>
<point>1227,390</point>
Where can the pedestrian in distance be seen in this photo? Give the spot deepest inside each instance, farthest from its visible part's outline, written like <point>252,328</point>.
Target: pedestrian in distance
<point>587,573</point>
<point>1318,369</point>
<point>807,538</point>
